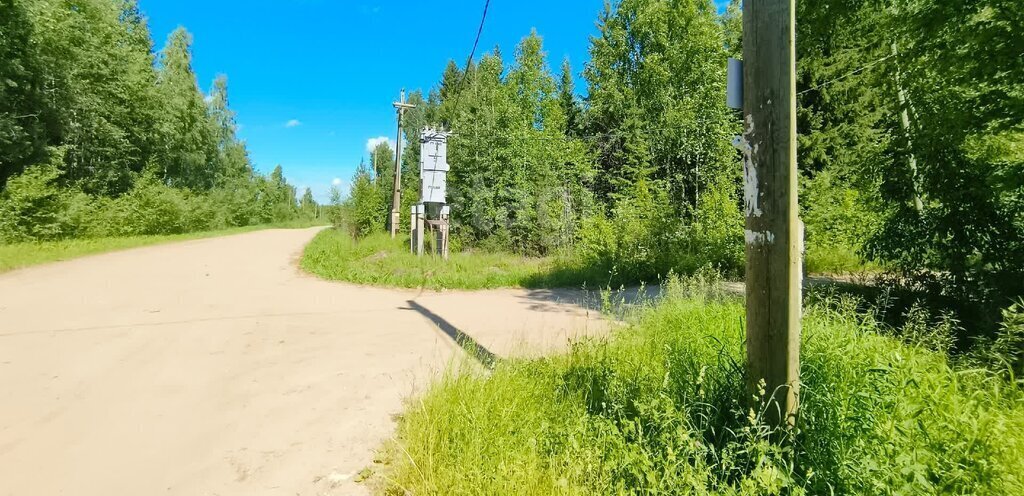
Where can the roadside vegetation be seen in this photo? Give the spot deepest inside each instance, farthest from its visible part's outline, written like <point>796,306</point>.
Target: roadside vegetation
<point>101,137</point>
<point>637,179</point>
<point>661,407</point>
<point>910,130</point>
<point>376,259</point>
<point>379,260</point>
<point>911,158</point>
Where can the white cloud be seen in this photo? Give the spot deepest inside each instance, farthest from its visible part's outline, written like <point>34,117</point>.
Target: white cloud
<point>336,182</point>
<point>208,98</point>
<point>292,123</point>
<point>373,142</point>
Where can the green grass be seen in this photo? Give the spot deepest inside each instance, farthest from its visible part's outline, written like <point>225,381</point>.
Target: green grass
<point>18,255</point>
<point>379,260</point>
<point>660,408</point>
<point>836,260</point>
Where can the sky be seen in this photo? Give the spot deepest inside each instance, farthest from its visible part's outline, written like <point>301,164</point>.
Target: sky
<point>312,81</point>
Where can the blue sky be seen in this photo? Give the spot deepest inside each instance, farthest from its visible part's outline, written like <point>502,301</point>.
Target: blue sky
<point>332,68</point>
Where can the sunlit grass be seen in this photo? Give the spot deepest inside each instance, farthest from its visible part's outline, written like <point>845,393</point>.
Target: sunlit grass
<point>380,260</point>
<point>836,260</point>
<point>661,408</point>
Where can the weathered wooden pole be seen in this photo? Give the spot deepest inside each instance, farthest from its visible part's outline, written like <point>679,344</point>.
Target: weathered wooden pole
<point>396,200</point>
<point>774,237</point>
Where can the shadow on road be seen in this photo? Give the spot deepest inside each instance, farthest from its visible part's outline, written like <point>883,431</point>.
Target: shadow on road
<point>555,300</point>
<point>465,341</point>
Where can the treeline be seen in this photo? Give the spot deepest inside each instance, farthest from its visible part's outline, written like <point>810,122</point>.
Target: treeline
<point>101,136</point>
<point>911,123</point>
<point>911,146</point>
<point>636,180</point>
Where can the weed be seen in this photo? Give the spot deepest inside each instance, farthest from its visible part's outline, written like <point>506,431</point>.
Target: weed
<point>662,408</point>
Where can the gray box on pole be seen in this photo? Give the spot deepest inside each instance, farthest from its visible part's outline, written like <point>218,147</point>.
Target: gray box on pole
<point>734,88</point>
<point>433,151</point>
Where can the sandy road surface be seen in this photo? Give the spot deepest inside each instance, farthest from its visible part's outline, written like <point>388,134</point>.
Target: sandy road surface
<point>214,367</point>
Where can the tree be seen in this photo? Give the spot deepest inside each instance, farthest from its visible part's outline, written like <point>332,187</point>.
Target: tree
<point>22,113</point>
<point>732,29</point>
<point>366,205</point>
<point>656,80</point>
<point>100,101</point>
<point>517,177</point>
<point>567,99</point>
<point>189,151</point>
<point>914,110</point>
<point>232,157</point>
<point>97,141</point>
<point>307,204</point>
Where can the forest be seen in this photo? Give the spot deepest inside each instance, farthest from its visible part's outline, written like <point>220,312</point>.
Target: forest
<point>569,181</point>
<point>103,136</point>
<point>911,150</point>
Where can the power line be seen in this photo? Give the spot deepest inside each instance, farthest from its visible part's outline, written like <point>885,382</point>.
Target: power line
<point>469,60</point>
<point>844,76</point>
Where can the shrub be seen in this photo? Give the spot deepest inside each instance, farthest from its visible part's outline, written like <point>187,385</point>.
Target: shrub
<point>33,207</point>
<point>645,238</point>
<point>152,208</point>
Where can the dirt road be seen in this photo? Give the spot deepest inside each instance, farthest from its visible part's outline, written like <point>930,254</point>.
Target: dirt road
<point>215,367</point>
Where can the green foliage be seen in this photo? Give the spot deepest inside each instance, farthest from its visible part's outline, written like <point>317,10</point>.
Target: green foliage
<point>656,83</point>
<point>913,111</point>
<point>191,142</point>
<point>517,179</point>
<point>32,207</point>
<point>661,407</point>
<point>368,211</point>
<point>527,153</point>
<point>22,131</point>
<point>36,208</point>
<point>1005,351</point>
<point>106,141</point>
<point>378,259</point>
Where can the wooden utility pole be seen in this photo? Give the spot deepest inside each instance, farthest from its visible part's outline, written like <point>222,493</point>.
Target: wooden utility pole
<point>774,235</point>
<point>396,200</point>
<point>905,124</point>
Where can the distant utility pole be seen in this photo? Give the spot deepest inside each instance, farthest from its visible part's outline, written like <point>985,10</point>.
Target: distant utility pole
<point>774,236</point>
<point>905,124</point>
<point>396,201</point>
<point>373,160</point>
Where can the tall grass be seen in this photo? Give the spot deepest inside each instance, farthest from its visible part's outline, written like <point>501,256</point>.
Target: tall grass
<point>836,259</point>
<point>661,408</point>
<point>378,259</point>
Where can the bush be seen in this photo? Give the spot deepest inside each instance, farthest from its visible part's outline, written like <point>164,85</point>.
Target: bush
<point>152,208</point>
<point>33,207</point>
<point>837,219</point>
<point>662,408</point>
<point>646,238</point>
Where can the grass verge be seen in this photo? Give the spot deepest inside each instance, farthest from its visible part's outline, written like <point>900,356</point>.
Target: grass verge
<point>379,260</point>
<point>837,259</point>
<point>18,255</point>
<point>661,409</point>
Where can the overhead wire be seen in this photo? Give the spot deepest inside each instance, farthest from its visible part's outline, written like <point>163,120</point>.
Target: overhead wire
<point>848,74</point>
<point>472,53</point>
